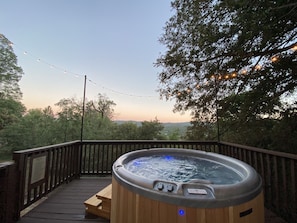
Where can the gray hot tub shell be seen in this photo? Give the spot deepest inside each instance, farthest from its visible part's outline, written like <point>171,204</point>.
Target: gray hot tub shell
<point>197,193</point>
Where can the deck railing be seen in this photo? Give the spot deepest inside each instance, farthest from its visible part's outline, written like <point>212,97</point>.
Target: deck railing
<point>43,169</point>
<point>98,156</point>
<point>278,171</point>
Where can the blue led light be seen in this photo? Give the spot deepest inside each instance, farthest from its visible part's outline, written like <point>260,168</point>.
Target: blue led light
<point>181,212</point>
<point>167,157</point>
<point>136,163</point>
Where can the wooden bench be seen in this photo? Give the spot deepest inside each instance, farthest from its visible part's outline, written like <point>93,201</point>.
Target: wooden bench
<point>100,203</point>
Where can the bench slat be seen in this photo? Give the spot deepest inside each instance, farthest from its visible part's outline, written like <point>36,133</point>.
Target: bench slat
<point>100,203</point>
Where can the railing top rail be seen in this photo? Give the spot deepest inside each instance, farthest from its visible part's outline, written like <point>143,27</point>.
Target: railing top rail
<point>5,164</point>
<point>266,151</point>
<point>270,152</point>
<point>149,141</point>
<point>44,148</point>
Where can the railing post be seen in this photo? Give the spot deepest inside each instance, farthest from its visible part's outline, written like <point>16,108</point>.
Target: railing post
<point>79,152</point>
<point>20,176</point>
<point>219,145</point>
<point>8,193</point>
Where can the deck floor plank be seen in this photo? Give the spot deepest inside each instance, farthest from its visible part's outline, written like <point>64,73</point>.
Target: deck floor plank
<point>66,204</point>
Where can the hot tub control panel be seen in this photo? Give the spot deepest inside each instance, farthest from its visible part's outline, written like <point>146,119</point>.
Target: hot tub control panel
<point>165,187</point>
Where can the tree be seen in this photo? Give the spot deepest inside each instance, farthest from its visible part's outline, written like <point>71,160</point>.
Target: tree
<point>97,118</point>
<point>220,48</point>
<point>104,106</point>
<point>126,131</point>
<point>10,111</point>
<point>10,72</point>
<point>40,127</point>
<point>285,130</point>
<point>201,131</point>
<point>174,134</point>
<point>150,130</point>
<point>36,128</point>
<point>69,118</point>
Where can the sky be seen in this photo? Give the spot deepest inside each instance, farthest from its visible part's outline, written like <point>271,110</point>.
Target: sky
<point>114,43</point>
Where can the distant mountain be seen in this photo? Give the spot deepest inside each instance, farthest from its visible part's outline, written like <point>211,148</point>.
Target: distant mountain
<point>119,122</point>
<point>166,124</point>
<point>170,124</point>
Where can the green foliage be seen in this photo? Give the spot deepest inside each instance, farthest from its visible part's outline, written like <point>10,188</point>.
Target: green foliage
<point>39,127</point>
<point>97,121</point>
<point>10,72</point>
<point>126,131</point>
<point>201,131</point>
<point>5,157</point>
<point>97,118</point>
<point>69,118</point>
<point>219,48</point>
<point>233,62</point>
<point>151,130</point>
<point>174,134</point>
<point>175,131</point>
<point>253,132</point>
<point>10,111</point>
<point>284,132</point>
<point>103,106</point>
<point>35,128</point>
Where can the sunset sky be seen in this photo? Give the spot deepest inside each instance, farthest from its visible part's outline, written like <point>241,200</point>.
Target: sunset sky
<point>114,43</point>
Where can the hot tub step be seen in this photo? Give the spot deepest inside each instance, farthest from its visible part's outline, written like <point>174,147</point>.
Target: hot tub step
<point>100,203</point>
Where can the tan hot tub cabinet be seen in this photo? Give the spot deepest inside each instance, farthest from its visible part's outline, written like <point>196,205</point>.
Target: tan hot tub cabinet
<point>130,207</point>
<point>141,200</point>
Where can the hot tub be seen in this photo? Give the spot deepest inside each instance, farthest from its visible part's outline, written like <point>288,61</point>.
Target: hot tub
<point>184,186</point>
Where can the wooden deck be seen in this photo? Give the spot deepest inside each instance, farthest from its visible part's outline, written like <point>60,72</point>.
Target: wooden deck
<point>66,204</point>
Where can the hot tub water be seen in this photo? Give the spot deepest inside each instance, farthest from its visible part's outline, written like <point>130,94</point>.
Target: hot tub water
<point>183,169</point>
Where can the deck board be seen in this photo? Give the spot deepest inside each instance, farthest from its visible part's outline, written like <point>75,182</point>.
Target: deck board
<point>66,204</point>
